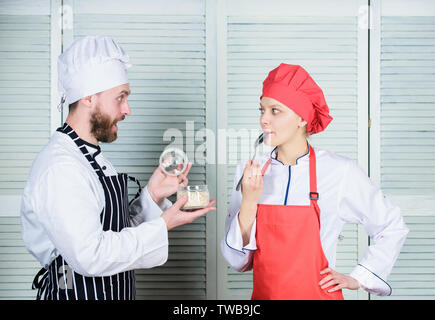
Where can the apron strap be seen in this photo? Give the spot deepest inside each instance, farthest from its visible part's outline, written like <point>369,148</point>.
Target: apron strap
<point>314,196</point>
<point>39,284</point>
<point>81,145</point>
<point>266,165</point>
<point>138,191</point>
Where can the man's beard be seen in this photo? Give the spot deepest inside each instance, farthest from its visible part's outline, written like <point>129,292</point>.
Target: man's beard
<point>102,126</point>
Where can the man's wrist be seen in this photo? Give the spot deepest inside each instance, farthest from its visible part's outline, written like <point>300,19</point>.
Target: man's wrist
<point>153,196</point>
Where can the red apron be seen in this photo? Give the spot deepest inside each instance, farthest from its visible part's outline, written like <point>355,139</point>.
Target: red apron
<point>289,255</point>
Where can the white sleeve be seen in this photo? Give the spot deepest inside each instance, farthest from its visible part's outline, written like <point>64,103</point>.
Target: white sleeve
<point>69,210</point>
<point>362,202</point>
<point>144,209</point>
<point>238,257</point>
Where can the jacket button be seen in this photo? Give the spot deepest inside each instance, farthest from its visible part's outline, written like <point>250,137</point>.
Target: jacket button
<point>104,168</point>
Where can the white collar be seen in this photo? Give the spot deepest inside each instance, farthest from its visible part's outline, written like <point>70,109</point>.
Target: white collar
<point>93,150</point>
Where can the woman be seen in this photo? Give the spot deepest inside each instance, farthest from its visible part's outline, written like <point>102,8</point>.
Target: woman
<point>285,222</point>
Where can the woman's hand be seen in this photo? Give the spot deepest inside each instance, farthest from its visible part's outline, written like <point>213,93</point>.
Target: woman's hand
<point>252,183</point>
<point>252,187</point>
<point>162,185</point>
<point>338,280</point>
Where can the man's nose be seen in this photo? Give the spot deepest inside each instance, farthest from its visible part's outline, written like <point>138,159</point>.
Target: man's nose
<point>126,109</point>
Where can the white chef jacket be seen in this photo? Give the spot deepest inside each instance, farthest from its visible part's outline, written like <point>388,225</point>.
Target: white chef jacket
<point>346,195</point>
<point>60,214</point>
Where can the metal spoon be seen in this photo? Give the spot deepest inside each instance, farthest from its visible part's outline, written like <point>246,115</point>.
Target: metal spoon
<point>256,144</point>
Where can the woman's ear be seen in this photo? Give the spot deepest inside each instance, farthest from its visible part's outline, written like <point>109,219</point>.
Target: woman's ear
<point>302,124</point>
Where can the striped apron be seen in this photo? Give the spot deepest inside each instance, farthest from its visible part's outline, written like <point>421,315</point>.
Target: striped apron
<point>59,281</point>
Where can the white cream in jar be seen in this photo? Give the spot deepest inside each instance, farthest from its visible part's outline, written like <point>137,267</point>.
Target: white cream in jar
<point>197,196</point>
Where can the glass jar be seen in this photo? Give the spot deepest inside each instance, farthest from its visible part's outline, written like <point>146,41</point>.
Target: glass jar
<point>197,196</point>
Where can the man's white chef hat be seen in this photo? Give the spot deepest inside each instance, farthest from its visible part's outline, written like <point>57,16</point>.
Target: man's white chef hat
<point>91,65</point>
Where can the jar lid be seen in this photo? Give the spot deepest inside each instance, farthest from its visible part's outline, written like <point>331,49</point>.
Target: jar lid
<point>193,188</point>
<point>173,161</point>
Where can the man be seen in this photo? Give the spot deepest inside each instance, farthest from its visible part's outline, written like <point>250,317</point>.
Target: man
<point>76,217</point>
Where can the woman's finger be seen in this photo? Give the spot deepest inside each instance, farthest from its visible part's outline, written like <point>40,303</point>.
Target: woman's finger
<point>246,171</point>
<point>337,287</point>
<point>326,270</point>
<point>328,284</point>
<point>256,170</point>
<point>259,181</point>
<point>255,173</point>
<point>327,278</point>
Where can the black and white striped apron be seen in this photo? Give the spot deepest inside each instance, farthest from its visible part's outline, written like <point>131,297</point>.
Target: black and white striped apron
<point>60,282</point>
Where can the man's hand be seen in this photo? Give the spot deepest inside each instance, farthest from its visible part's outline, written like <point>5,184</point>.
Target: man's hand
<point>162,185</point>
<point>174,217</point>
<point>338,280</point>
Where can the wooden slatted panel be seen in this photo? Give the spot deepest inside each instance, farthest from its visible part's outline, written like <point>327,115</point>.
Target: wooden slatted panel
<point>17,266</point>
<point>408,104</point>
<point>327,48</point>
<point>413,276</point>
<point>24,96</point>
<point>168,89</point>
<point>24,130</point>
<point>408,144</point>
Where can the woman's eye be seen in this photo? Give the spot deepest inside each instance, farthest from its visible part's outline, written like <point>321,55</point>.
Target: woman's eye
<point>261,110</point>
<point>275,111</point>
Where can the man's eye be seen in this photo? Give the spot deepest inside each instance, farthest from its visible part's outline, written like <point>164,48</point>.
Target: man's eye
<point>120,98</point>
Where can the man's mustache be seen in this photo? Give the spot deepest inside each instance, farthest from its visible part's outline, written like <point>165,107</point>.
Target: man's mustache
<point>119,119</point>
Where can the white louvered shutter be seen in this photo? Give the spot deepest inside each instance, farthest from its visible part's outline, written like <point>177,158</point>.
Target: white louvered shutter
<point>324,38</point>
<point>403,152</point>
<point>166,45</point>
<point>24,129</point>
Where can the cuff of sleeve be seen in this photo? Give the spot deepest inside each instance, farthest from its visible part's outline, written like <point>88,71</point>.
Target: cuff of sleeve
<point>165,204</point>
<point>234,238</point>
<point>150,209</point>
<point>370,281</point>
<point>155,244</point>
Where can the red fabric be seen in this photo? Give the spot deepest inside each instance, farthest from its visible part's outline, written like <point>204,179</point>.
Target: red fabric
<point>263,171</point>
<point>294,87</point>
<point>289,255</point>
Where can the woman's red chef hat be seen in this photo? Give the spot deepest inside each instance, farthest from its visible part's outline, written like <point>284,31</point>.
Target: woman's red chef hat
<point>293,86</point>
